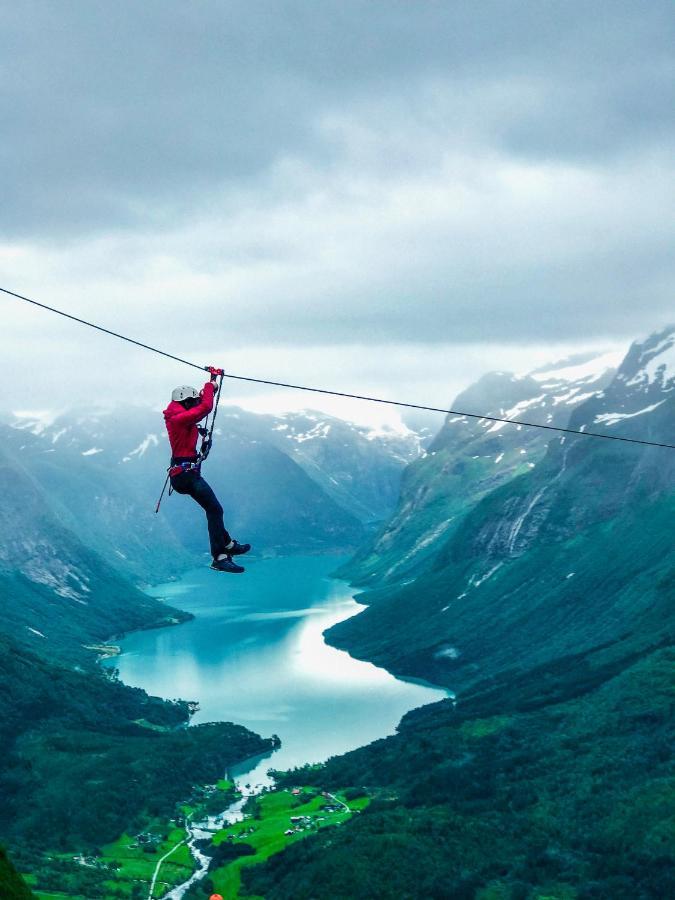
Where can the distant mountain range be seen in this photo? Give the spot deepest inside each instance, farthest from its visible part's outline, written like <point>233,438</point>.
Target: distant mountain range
<point>78,493</point>
<point>302,481</point>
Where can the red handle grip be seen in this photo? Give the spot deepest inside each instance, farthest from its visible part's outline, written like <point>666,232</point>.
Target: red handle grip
<point>214,371</point>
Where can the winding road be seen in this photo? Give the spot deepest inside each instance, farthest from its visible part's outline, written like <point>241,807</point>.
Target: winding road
<point>159,865</point>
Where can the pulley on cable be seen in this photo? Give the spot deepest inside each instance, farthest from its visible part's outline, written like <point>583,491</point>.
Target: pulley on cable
<point>206,432</point>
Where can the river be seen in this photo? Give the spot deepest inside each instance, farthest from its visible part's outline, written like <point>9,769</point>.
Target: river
<point>254,654</point>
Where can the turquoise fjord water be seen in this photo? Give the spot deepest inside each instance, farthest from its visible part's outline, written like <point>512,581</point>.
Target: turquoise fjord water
<point>255,654</point>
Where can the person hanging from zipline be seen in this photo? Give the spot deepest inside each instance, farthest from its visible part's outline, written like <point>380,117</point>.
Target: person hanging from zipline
<point>188,407</point>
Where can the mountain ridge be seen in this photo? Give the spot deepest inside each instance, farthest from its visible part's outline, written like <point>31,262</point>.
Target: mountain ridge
<point>468,458</point>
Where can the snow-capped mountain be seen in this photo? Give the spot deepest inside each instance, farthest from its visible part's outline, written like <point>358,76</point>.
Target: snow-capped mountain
<point>638,403</point>
<point>470,457</point>
<point>574,560</point>
<point>358,467</point>
<point>544,396</point>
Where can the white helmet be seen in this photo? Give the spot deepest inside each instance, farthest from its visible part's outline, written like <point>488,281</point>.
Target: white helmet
<point>183,392</point>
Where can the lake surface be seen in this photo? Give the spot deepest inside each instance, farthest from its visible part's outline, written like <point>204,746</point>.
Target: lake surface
<point>255,655</point>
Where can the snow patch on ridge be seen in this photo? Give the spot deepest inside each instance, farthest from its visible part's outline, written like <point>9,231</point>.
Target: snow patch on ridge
<point>515,411</point>
<point>34,421</point>
<point>573,396</point>
<point>388,430</point>
<point>588,371</point>
<point>613,418</point>
<point>319,430</point>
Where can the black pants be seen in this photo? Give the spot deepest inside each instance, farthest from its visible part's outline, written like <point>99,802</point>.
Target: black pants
<point>192,484</point>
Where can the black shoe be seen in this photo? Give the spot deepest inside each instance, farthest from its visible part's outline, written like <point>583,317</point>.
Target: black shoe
<point>238,549</point>
<point>226,565</point>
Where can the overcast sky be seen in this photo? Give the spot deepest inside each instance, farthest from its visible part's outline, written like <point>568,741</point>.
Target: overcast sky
<point>380,196</point>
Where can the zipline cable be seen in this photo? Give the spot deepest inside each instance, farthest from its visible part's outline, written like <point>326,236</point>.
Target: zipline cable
<point>122,337</point>
<point>314,390</point>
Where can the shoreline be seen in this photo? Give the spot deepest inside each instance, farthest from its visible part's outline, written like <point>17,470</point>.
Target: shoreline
<point>186,616</point>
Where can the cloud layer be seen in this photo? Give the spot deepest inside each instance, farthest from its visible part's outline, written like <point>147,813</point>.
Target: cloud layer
<point>235,177</point>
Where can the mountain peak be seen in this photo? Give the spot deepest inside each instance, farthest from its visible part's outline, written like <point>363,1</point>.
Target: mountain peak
<point>651,362</point>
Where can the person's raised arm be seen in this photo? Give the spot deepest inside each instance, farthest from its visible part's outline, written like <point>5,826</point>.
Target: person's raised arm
<point>203,408</point>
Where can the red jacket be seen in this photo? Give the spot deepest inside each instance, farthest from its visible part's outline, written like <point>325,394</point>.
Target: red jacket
<point>181,423</point>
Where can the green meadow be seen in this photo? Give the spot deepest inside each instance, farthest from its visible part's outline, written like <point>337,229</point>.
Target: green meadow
<point>264,831</point>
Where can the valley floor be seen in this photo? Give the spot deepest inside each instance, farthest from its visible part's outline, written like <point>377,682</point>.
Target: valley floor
<point>150,864</point>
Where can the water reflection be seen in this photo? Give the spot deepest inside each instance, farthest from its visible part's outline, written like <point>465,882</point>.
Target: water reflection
<point>255,654</point>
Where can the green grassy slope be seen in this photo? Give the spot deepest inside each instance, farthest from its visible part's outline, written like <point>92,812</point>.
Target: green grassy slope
<point>579,587</point>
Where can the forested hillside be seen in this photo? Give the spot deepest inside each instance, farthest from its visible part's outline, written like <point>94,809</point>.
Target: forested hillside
<point>68,735</point>
<point>555,786</point>
<point>68,732</point>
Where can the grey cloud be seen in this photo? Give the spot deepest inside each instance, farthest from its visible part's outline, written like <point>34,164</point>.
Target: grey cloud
<point>484,250</point>
<point>120,115</point>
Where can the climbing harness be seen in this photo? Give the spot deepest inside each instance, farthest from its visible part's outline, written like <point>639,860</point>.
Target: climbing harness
<point>206,434</point>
